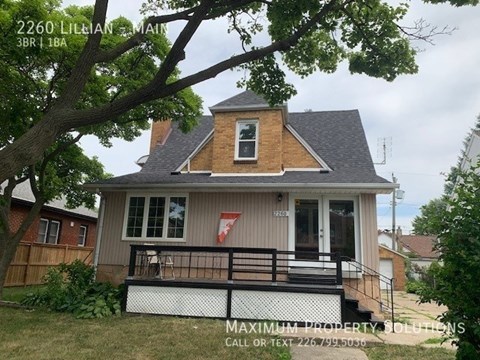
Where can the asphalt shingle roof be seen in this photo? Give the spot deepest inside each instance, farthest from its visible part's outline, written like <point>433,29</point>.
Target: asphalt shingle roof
<point>336,136</point>
<point>166,158</point>
<point>246,98</point>
<point>23,191</point>
<point>422,245</point>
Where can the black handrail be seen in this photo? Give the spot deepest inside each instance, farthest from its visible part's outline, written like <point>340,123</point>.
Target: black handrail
<point>240,260</point>
<point>385,294</point>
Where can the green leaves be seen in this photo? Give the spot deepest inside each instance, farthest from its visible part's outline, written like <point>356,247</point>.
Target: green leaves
<point>431,219</point>
<point>457,281</point>
<point>71,288</point>
<point>266,78</point>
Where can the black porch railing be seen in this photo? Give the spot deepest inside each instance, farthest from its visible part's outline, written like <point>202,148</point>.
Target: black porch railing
<point>232,264</point>
<point>267,265</point>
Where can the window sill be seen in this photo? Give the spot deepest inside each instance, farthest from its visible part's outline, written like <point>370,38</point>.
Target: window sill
<point>155,240</point>
<point>247,161</point>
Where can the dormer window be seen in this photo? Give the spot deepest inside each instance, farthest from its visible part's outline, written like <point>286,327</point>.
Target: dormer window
<point>246,140</point>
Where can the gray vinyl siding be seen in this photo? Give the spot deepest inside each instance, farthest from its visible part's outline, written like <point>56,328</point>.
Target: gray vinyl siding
<point>256,227</point>
<point>369,232</point>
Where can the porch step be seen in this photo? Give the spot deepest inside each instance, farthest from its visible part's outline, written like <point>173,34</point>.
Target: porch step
<point>356,313</point>
<point>312,279</point>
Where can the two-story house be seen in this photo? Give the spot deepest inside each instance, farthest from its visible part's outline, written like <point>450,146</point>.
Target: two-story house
<point>300,186</point>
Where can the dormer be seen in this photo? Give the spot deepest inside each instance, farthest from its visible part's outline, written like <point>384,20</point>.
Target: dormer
<point>251,138</point>
<point>247,135</point>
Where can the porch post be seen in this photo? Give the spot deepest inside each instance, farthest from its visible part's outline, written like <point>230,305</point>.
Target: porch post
<point>131,264</point>
<point>338,257</point>
<point>274,266</point>
<point>230,265</point>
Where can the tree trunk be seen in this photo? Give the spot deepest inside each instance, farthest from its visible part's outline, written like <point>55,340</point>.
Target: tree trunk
<point>9,242</point>
<point>7,253</point>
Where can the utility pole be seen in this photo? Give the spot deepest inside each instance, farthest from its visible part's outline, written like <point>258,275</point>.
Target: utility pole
<point>394,237</point>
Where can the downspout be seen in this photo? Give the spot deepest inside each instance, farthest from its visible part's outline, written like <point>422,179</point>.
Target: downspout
<point>99,232</point>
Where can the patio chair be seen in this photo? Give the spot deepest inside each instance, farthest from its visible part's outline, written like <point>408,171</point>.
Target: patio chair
<point>155,263</point>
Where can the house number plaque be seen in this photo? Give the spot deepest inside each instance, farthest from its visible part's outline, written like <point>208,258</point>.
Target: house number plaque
<point>280,213</point>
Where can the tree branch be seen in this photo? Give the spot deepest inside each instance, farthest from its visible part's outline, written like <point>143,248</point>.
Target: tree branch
<point>417,31</point>
<point>86,61</point>
<point>135,40</point>
<point>177,52</point>
<point>60,148</point>
<point>154,90</point>
<point>139,37</point>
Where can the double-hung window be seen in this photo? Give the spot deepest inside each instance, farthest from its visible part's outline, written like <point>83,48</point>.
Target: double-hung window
<point>82,235</point>
<point>48,231</point>
<point>246,140</point>
<point>155,217</point>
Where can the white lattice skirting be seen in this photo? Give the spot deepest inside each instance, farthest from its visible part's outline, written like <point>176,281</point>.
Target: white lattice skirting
<point>246,304</point>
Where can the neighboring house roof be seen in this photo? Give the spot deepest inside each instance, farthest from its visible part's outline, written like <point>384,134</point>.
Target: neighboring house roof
<point>392,251</point>
<point>23,193</point>
<point>336,136</point>
<point>421,245</point>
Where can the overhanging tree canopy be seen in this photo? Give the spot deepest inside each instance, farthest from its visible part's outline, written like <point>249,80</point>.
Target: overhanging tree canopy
<point>309,35</point>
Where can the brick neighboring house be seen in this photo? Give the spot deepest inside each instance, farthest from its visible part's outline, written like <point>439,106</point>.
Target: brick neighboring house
<point>392,265</point>
<point>55,224</point>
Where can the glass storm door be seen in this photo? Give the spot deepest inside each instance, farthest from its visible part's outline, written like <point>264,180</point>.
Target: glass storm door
<point>342,227</point>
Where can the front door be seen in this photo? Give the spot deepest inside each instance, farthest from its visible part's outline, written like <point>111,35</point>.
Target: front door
<point>322,224</point>
<point>306,230</point>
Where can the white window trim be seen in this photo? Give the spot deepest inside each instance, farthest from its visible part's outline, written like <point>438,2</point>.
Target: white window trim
<point>164,237</point>
<point>57,233</point>
<point>237,139</point>
<point>84,235</point>
<point>46,231</point>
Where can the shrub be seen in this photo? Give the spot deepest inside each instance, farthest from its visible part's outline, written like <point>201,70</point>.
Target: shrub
<point>71,288</point>
<point>456,282</point>
<point>414,287</point>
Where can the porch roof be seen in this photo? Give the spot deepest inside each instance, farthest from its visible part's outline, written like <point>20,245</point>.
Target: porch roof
<point>289,180</point>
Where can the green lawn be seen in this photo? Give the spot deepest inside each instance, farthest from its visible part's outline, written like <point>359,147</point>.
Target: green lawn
<point>38,334</point>
<point>401,352</point>
<point>16,294</point>
<point>42,335</point>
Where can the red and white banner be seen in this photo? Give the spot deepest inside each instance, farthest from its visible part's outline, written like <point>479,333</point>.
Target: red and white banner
<point>227,220</point>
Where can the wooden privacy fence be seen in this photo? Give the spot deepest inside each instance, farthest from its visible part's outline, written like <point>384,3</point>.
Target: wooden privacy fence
<point>32,260</point>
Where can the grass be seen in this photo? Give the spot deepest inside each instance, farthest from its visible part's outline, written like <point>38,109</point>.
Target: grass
<point>43,335</point>
<point>403,320</point>
<point>15,294</point>
<point>431,341</point>
<point>401,352</point>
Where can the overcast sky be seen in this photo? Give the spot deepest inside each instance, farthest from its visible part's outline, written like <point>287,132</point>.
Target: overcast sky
<point>426,115</point>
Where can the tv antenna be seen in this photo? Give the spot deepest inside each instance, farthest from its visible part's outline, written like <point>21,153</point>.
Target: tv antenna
<point>384,149</point>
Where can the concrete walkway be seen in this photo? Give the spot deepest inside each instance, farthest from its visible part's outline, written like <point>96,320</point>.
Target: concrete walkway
<point>415,325</point>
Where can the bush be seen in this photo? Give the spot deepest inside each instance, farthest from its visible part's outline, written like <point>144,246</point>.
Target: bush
<point>71,288</point>
<point>414,287</point>
<point>456,282</point>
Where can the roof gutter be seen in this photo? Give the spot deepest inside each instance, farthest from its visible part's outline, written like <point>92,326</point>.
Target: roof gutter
<point>385,188</point>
